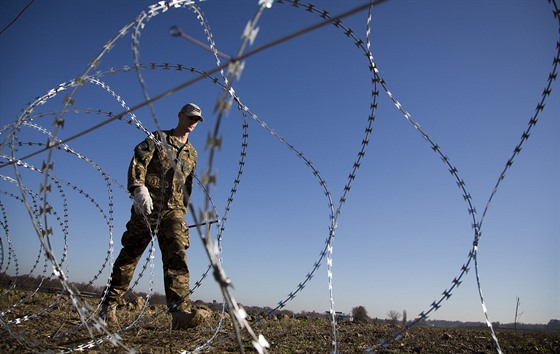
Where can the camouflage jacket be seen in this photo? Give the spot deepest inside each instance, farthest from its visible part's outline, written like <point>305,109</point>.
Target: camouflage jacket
<point>152,167</point>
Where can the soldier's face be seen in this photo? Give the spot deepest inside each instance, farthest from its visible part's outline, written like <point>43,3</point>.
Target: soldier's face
<point>189,121</point>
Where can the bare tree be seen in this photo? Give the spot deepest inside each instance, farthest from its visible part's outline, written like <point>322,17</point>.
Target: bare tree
<point>360,314</point>
<point>517,314</point>
<point>394,316</point>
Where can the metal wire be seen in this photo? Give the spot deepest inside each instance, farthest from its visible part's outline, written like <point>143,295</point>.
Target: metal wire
<point>42,213</point>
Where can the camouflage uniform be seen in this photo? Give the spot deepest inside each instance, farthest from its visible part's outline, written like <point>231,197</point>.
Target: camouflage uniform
<point>152,167</point>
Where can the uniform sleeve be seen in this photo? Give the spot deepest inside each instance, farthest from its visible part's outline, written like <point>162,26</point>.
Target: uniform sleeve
<point>190,181</point>
<point>143,154</point>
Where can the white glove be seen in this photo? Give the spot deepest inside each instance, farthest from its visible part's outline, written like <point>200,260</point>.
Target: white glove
<point>142,201</point>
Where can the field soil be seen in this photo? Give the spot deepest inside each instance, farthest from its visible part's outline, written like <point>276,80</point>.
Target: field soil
<point>49,323</point>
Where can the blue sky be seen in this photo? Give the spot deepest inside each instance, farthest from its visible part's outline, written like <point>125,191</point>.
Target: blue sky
<point>469,72</point>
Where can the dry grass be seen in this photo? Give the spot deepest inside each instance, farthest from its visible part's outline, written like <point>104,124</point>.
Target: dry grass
<point>48,325</point>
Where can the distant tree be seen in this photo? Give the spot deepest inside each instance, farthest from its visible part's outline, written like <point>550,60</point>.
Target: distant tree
<point>404,317</point>
<point>394,316</point>
<point>157,299</point>
<point>360,314</point>
<point>554,324</point>
<point>287,313</point>
<point>312,314</point>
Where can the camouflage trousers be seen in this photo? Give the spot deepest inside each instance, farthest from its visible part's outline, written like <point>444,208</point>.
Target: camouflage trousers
<point>173,240</point>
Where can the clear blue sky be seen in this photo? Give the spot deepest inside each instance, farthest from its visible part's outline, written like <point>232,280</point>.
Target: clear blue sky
<point>469,72</point>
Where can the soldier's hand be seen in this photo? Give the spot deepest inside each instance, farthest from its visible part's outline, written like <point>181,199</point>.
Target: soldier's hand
<point>142,201</point>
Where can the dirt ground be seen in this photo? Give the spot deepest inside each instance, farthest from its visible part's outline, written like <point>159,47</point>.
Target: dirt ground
<point>43,324</point>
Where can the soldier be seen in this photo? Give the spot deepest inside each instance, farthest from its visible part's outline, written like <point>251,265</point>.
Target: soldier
<point>161,197</point>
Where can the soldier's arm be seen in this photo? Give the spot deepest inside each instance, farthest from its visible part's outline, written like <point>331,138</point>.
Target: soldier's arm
<point>189,183</point>
<point>143,154</point>
<point>188,187</point>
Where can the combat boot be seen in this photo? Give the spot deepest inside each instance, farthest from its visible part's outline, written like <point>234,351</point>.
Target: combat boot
<point>183,319</point>
<point>108,314</point>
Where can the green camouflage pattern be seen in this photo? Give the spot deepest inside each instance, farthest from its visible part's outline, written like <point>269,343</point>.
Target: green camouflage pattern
<point>170,191</point>
<point>152,166</point>
<point>173,240</point>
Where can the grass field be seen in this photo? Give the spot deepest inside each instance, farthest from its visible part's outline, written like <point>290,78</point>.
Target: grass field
<point>49,323</point>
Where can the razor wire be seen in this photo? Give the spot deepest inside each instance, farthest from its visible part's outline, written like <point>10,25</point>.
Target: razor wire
<point>237,313</point>
<point>208,179</point>
<point>82,307</point>
<point>65,147</point>
<point>476,224</point>
<point>69,100</point>
<point>138,125</point>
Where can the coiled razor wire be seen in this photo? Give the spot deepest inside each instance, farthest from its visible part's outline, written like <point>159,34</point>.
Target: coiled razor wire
<point>476,225</point>
<point>138,124</point>
<point>108,220</point>
<point>235,66</point>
